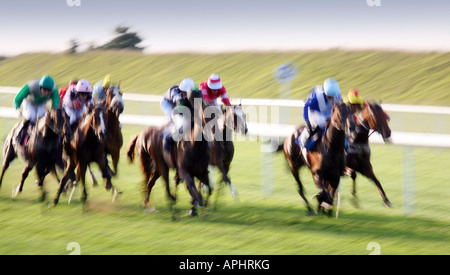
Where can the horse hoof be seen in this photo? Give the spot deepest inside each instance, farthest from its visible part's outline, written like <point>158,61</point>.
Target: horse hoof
<point>150,210</point>
<point>15,191</point>
<point>193,212</point>
<point>387,204</point>
<point>326,205</point>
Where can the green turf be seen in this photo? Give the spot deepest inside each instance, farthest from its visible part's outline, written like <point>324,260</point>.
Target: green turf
<point>257,224</point>
<point>392,77</point>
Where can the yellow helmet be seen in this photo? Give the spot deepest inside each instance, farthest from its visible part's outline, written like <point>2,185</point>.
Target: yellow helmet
<point>355,97</point>
<point>107,81</point>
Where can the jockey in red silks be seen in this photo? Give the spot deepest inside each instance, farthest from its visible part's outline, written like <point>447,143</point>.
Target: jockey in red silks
<point>63,91</point>
<point>212,89</point>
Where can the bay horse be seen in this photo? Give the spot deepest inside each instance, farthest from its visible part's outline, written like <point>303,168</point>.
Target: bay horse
<point>114,105</point>
<point>371,118</point>
<point>43,149</point>
<point>326,160</point>
<point>86,146</point>
<point>222,151</point>
<point>190,158</point>
<point>153,159</point>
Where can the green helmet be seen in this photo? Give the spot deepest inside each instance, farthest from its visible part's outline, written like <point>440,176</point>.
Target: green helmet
<point>47,82</point>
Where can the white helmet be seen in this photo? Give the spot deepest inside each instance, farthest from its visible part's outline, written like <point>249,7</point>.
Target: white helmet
<point>186,85</point>
<point>214,82</point>
<point>83,86</point>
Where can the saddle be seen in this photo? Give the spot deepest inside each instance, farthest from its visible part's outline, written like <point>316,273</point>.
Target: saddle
<point>24,133</point>
<point>307,142</point>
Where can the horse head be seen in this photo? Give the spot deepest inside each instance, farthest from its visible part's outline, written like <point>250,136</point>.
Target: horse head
<point>235,119</point>
<point>57,122</point>
<point>97,122</point>
<point>114,100</point>
<point>374,118</point>
<point>342,119</point>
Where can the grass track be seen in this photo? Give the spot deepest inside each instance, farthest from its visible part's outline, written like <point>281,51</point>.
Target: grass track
<point>276,224</point>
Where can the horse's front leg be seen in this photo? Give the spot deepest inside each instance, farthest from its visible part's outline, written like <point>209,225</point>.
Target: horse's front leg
<point>81,175</point>
<point>25,173</point>
<point>68,174</point>
<point>369,173</point>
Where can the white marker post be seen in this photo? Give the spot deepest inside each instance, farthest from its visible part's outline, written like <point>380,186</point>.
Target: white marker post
<point>408,192</point>
<point>283,74</point>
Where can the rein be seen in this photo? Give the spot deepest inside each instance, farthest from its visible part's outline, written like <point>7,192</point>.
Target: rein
<point>366,125</point>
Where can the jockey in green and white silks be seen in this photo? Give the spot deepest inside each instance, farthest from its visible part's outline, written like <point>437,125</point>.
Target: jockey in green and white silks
<point>33,98</point>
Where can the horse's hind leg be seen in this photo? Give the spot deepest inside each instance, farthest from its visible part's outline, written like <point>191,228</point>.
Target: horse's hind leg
<point>295,173</point>
<point>91,175</point>
<point>10,155</point>
<point>150,183</point>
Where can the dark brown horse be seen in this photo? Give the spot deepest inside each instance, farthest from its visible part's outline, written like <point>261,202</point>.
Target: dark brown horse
<point>86,146</point>
<point>327,160</point>
<point>371,118</point>
<point>222,150</point>
<point>190,157</point>
<point>43,149</point>
<point>114,105</point>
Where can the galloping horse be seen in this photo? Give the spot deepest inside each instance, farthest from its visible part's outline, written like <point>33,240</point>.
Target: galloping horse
<point>358,155</point>
<point>193,154</point>
<point>326,161</point>
<point>114,105</point>
<point>190,158</point>
<point>153,159</point>
<point>87,145</point>
<point>222,151</point>
<point>43,149</point>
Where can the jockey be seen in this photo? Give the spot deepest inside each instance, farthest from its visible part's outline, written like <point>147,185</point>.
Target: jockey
<point>356,101</point>
<point>63,91</point>
<point>76,100</point>
<point>212,89</point>
<point>100,89</point>
<point>34,96</point>
<point>174,97</point>
<point>317,112</point>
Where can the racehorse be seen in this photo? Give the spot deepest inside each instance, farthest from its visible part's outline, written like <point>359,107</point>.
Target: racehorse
<point>370,118</point>
<point>43,149</point>
<point>86,146</point>
<point>153,159</point>
<point>114,105</point>
<point>222,151</point>
<point>190,158</point>
<point>326,160</point>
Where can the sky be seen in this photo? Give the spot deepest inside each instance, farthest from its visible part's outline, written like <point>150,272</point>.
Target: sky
<point>227,25</point>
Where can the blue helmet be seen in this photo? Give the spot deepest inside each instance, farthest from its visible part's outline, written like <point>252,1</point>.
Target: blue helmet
<point>331,88</point>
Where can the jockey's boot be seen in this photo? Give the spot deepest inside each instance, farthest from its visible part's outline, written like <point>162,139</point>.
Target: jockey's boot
<point>167,140</point>
<point>23,132</point>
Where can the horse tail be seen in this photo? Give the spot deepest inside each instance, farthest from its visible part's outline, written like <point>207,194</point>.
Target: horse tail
<point>131,147</point>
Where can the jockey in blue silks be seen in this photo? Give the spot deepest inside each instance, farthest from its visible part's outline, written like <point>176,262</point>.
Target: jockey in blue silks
<point>172,98</point>
<point>317,112</point>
